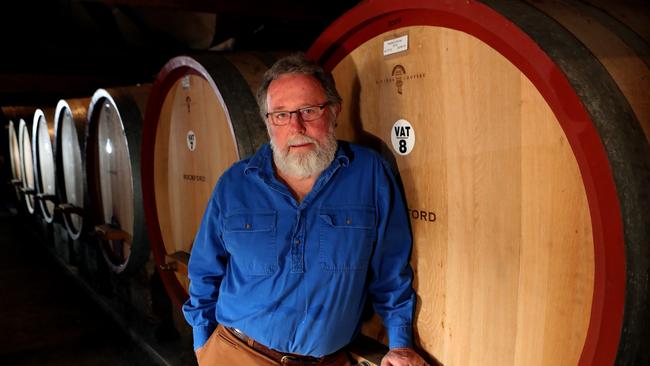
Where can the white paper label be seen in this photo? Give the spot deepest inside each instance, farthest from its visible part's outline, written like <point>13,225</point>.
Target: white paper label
<point>403,137</point>
<point>396,45</point>
<point>191,140</point>
<point>186,82</point>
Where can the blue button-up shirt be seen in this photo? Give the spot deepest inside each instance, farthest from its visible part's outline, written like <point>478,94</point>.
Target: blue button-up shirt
<point>293,275</point>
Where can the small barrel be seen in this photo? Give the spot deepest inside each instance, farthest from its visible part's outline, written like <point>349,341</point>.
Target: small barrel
<point>112,151</point>
<point>202,116</point>
<point>43,153</point>
<point>12,115</point>
<point>70,123</point>
<point>518,132</point>
<point>28,181</point>
<point>6,175</point>
<point>14,158</point>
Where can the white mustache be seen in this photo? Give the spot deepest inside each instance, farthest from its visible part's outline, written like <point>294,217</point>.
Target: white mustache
<point>301,140</point>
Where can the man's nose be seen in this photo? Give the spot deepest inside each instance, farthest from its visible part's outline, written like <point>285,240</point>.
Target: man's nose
<point>296,123</point>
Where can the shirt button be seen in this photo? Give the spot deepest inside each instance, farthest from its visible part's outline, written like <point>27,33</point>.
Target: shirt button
<point>348,221</point>
<point>247,226</point>
<point>297,241</point>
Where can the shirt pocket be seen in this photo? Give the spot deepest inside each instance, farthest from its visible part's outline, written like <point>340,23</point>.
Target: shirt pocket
<point>346,237</point>
<point>250,238</point>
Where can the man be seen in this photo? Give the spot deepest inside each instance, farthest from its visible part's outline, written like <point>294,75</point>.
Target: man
<point>296,237</point>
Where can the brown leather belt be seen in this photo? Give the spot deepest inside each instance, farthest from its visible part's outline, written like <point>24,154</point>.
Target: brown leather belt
<point>283,358</point>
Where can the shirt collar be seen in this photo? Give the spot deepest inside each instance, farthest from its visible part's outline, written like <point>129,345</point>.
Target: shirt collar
<point>262,161</point>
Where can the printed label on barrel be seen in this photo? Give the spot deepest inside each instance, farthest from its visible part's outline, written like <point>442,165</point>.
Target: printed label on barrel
<point>398,76</point>
<point>403,137</point>
<point>422,215</point>
<point>191,140</point>
<point>194,177</point>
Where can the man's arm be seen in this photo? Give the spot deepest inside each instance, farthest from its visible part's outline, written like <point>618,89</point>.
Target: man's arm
<point>206,269</point>
<point>390,287</point>
<point>393,297</point>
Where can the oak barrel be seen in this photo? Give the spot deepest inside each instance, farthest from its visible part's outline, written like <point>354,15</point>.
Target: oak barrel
<point>201,117</point>
<point>14,157</point>
<point>12,116</point>
<point>70,123</point>
<point>27,187</point>
<point>112,151</point>
<point>43,154</point>
<point>520,145</point>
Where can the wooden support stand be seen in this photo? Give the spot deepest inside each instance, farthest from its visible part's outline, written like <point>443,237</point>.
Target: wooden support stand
<point>177,262</point>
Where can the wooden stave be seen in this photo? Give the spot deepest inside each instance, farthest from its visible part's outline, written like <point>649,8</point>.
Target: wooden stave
<point>372,19</point>
<point>79,111</point>
<point>627,33</point>
<point>129,102</point>
<point>624,56</point>
<point>632,13</point>
<point>43,119</point>
<point>247,131</point>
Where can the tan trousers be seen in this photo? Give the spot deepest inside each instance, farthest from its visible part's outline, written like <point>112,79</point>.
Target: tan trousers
<point>225,349</point>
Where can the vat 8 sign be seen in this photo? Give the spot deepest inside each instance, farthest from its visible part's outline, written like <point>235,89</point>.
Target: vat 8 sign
<point>402,137</point>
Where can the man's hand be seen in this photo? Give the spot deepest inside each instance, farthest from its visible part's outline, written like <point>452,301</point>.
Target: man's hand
<point>402,357</point>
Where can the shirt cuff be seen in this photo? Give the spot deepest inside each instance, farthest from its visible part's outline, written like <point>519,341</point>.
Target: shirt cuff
<point>201,334</point>
<point>400,337</point>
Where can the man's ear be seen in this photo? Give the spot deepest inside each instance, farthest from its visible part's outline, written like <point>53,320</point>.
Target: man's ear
<point>337,109</point>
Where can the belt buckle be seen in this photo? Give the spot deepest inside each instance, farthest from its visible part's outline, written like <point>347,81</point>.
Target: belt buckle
<point>287,359</point>
<point>239,334</point>
<point>301,360</point>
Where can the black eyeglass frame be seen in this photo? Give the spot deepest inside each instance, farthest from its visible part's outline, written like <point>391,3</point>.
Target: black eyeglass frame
<point>321,107</point>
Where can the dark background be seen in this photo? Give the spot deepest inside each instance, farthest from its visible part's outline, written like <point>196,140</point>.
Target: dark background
<point>55,49</point>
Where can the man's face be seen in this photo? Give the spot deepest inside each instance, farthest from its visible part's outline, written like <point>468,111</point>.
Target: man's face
<point>301,148</point>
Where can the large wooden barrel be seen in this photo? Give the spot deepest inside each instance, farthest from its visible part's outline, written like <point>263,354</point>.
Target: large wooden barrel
<point>112,151</point>
<point>518,133</point>
<point>70,123</point>
<point>201,117</point>
<point>27,187</point>
<point>43,154</point>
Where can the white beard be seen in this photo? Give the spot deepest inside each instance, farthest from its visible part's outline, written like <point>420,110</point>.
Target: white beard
<point>311,163</point>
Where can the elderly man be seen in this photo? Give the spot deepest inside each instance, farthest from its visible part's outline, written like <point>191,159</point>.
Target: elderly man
<point>297,237</point>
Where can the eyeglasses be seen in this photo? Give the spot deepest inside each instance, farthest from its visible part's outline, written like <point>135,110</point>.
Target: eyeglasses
<point>307,114</point>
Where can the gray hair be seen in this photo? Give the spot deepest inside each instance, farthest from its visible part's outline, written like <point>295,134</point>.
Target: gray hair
<point>296,63</point>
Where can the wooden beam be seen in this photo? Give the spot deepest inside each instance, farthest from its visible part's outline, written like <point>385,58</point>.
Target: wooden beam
<point>283,9</point>
<point>38,89</point>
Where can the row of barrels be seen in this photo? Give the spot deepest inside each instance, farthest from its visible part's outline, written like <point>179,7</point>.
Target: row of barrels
<point>81,161</point>
<point>519,130</point>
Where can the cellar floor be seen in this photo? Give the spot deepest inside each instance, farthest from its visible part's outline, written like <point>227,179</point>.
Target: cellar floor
<point>45,317</point>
